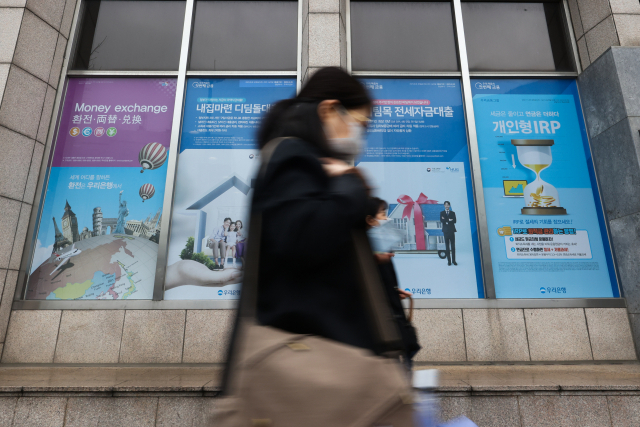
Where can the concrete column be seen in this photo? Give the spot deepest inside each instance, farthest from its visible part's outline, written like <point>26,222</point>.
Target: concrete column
<point>33,39</point>
<point>600,24</point>
<point>610,92</point>
<point>324,41</point>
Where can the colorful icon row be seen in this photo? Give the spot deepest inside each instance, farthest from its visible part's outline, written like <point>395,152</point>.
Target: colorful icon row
<point>75,131</point>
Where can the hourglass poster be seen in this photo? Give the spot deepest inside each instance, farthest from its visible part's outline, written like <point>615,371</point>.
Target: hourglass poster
<point>546,226</point>
<point>100,222</point>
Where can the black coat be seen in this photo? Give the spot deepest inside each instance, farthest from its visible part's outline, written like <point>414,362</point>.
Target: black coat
<point>407,331</point>
<point>307,274</point>
<point>448,222</point>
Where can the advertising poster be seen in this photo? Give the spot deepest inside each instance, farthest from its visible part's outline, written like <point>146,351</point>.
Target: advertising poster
<point>547,231</point>
<point>417,158</point>
<point>218,160</point>
<point>100,223</point>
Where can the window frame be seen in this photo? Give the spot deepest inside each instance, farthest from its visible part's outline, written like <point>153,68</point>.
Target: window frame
<point>465,76</point>
<point>182,74</point>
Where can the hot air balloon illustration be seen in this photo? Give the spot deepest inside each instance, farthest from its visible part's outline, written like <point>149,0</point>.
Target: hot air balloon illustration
<point>147,191</point>
<point>152,156</point>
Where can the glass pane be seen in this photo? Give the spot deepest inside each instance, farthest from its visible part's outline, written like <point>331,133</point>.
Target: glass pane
<point>217,163</point>
<point>130,35</point>
<point>245,35</point>
<point>100,224</point>
<point>402,36</point>
<point>417,160</point>
<point>516,37</point>
<point>547,230</point>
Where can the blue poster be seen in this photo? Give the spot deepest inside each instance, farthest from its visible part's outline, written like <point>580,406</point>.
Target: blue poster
<point>547,231</point>
<point>218,160</point>
<point>417,159</point>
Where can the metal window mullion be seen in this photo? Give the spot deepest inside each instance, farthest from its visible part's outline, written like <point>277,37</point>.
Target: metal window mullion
<point>348,35</point>
<point>256,73</point>
<point>419,303</point>
<point>299,56</point>
<point>408,74</point>
<point>474,155</point>
<point>568,25</point>
<point>124,73</point>
<point>525,75</point>
<point>167,205</point>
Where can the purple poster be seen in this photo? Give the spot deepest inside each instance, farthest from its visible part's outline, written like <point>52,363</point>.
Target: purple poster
<point>100,224</point>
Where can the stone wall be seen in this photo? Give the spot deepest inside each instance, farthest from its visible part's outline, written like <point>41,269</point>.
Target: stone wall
<point>324,42</point>
<point>201,336</point>
<point>33,40</point>
<point>600,24</point>
<point>610,91</point>
<point>516,409</point>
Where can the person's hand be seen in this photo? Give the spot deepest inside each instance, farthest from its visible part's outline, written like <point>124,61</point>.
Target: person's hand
<point>188,272</point>
<point>335,167</point>
<point>383,258</point>
<point>404,294</point>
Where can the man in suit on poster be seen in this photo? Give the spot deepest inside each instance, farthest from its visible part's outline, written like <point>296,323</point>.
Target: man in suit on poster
<point>448,220</point>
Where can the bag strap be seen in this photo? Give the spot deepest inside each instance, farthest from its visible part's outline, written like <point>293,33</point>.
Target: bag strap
<point>247,308</point>
<point>249,304</point>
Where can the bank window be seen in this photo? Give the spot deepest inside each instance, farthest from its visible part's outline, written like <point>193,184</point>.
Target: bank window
<point>516,37</point>
<point>129,35</point>
<point>245,36</point>
<point>402,36</point>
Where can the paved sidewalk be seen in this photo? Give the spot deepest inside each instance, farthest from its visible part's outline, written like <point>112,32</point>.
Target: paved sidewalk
<point>182,395</point>
<point>205,379</point>
<point>109,380</point>
<point>514,378</point>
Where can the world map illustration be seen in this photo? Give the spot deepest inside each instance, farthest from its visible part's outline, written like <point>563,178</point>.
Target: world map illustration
<point>113,266</point>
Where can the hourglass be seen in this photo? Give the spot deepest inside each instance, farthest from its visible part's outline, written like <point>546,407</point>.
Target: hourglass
<point>540,198</point>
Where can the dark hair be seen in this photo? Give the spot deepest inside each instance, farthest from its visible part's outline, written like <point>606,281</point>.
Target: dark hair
<point>241,224</point>
<point>374,205</point>
<point>447,202</point>
<point>227,219</point>
<point>298,117</point>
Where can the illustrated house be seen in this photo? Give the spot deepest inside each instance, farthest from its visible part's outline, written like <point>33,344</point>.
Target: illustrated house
<point>432,226</point>
<point>197,207</point>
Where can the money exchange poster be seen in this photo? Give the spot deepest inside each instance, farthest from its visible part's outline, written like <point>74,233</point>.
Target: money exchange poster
<point>100,223</point>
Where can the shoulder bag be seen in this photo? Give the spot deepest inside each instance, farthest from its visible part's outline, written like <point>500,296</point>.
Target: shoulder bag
<point>276,378</point>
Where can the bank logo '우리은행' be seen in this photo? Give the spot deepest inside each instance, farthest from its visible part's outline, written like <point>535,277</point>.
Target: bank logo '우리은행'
<point>202,85</point>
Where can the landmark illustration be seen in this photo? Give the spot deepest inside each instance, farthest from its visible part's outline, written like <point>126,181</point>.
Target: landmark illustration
<point>123,212</point>
<point>149,228</point>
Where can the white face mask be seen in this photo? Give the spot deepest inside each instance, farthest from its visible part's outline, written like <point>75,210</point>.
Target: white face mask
<point>352,146</point>
<point>383,222</point>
